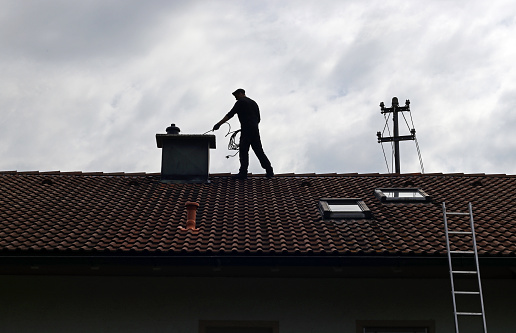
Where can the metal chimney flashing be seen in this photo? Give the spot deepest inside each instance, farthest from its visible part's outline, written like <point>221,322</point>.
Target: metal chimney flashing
<point>185,157</point>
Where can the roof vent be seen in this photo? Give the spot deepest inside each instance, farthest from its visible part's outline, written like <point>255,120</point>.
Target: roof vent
<point>191,212</point>
<point>185,157</point>
<point>477,183</point>
<point>408,183</point>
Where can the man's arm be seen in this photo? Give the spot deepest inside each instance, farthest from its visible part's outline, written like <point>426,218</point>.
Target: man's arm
<point>228,116</point>
<point>217,125</point>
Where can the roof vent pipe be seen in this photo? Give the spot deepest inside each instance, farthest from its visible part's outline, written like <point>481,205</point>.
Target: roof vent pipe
<point>191,212</point>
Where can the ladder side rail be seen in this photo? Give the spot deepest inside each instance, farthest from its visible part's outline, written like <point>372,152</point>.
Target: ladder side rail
<point>451,268</point>
<point>478,266</point>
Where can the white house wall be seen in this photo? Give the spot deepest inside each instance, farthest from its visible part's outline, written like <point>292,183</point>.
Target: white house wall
<point>171,304</point>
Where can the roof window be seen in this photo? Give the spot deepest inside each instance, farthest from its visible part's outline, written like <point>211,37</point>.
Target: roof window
<point>343,208</point>
<point>401,195</point>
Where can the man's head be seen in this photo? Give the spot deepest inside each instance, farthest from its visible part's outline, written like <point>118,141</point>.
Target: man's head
<point>239,93</point>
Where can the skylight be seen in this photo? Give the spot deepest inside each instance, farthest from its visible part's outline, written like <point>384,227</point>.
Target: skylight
<point>401,195</point>
<point>342,208</point>
<point>345,208</point>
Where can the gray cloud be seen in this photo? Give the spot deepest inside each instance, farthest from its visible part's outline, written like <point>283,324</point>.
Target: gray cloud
<point>63,31</point>
<point>86,86</point>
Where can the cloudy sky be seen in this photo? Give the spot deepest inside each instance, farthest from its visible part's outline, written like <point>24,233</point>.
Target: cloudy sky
<point>86,85</point>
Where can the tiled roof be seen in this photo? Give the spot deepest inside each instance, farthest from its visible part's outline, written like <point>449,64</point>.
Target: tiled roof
<point>74,212</point>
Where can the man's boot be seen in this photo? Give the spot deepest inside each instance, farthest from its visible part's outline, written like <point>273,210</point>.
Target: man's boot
<point>269,173</point>
<point>239,175</point>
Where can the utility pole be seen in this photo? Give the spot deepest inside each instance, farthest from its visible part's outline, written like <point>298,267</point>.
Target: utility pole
<point>395,108</point>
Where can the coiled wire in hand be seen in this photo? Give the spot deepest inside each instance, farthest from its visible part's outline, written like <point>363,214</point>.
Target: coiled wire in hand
<point>232,145</point>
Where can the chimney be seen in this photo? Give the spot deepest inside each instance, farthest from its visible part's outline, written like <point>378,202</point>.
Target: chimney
<point>185,157</point>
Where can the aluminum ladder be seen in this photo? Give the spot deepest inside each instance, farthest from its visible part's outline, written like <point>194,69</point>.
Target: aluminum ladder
<point>462,232</point>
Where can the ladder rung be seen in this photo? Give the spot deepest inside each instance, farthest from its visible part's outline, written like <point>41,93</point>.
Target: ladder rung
<point>455,213</point>
<point>463,252</point>
<point>467,292</point>
<point>460,232</point>
<point>464,272</point>
<point>469,313</point>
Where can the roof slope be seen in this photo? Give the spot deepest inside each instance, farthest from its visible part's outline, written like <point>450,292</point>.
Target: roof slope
<point>136,213</point>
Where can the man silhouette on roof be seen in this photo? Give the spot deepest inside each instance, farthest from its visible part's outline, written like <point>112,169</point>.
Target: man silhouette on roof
<point>249,117</point>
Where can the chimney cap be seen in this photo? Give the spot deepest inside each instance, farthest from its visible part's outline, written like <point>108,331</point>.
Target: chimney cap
<point>173,129</point>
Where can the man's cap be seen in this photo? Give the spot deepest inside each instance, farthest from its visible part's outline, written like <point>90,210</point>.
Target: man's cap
<point>238,91</point>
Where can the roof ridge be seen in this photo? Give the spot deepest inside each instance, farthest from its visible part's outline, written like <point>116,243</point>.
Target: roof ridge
<point>81,173</point>
<point>227,174</point>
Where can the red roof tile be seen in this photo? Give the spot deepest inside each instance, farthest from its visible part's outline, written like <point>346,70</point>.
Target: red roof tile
<point>116,213</point>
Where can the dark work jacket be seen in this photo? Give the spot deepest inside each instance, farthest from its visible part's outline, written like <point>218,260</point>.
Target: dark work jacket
<point>248,114</point>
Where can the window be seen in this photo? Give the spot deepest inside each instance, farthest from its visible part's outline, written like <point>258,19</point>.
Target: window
<point>394,326</point>
<point>401,195</point>
<point>223,326</point>
<point>334,208</point>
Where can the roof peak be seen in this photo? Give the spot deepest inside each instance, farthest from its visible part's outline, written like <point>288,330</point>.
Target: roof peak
<point>280,175</point>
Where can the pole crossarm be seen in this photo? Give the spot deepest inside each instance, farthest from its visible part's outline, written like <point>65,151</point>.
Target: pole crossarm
<point>398,108</point>
<point>391,139</point>
<point>396,138</point>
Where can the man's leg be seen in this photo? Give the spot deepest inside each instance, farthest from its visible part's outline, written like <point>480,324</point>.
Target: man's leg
<point>243,152</point>
<point>256,143</point>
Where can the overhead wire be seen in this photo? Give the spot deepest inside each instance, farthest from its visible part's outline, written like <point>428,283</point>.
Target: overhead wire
<point>385,157</point>
<point>417,145</point>
<point>392,143</point>
<point>419,154</point>
<point>415,140</point>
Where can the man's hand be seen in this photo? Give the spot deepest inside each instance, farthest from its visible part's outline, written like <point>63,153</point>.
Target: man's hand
<point>216,127</point>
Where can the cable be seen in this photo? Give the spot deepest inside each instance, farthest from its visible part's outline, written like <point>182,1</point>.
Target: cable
<point>232,145</point>
<point>385,157</point>
<point>235,154</point>
<point>392,143</point>
<point>417,145</point>
<point>419,154</point>
<point>406,122</point>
